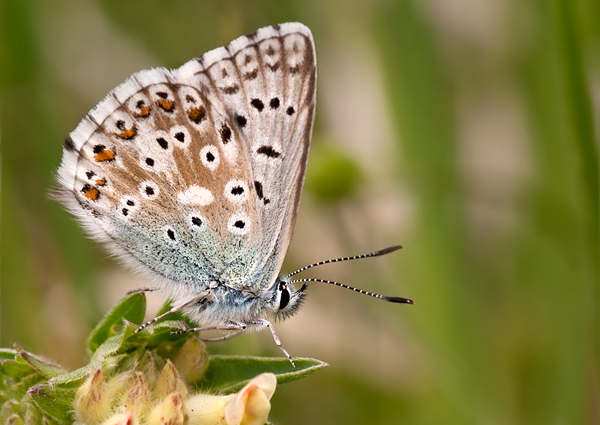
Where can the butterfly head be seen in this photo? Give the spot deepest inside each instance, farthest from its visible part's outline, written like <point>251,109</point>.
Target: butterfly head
<point>285,300</point>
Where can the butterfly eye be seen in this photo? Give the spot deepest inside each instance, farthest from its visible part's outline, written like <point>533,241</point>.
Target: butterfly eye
<point>285,296</point>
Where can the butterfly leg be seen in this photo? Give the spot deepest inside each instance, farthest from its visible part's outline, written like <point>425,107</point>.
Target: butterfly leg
<point>223,338</point>
<point>227,326</point>
<point>266,323</point>
<point>140,291</point>
<point>175,309</point>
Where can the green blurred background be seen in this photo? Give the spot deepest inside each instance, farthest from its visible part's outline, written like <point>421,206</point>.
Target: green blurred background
<point>464,130</point>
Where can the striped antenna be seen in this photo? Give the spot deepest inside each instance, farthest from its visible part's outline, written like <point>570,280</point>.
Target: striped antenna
<point>356,257</point>
<point>371,294</point>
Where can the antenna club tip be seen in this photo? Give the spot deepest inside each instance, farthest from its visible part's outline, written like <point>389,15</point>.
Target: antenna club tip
<point>400,300</point>
<point>388,250</point>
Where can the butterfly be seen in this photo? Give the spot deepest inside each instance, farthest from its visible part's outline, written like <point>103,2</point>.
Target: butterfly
<point>193,178</point>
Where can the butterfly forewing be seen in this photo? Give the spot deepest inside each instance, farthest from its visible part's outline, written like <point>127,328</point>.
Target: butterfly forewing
<point>266,83</point>
<point>196,174</point>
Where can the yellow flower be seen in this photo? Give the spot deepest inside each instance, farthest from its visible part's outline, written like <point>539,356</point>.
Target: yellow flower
<point>122,419</point>
<point>249,406</point>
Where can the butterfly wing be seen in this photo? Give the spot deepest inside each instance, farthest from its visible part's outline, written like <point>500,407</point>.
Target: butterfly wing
<point>184,176</point>
<point>266,84</point>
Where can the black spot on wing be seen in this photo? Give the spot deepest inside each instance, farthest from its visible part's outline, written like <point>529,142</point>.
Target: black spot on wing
<point>241,120</point>
<point>257,104</point>
<point>259,192</point>
<point>268,151</point>
<point>259,189</point>
<point>238,190</point>
<point>162,142</point>
<point>251,75</point>
<point>225,134</point>
<point>273,67</point>
<point>231,89</point>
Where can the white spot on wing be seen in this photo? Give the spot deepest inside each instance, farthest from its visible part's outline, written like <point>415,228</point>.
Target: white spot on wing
<point>137,104</point>
<point>236,191</point>
<point>238,224</point>
<point>127,207</point>
<point>196,195</point>
<point>170,234</point>
<point>149,190</point>
<point>295,47</point>
<point>180,136</point>
<point>197,221</point>
<point>207,153</point>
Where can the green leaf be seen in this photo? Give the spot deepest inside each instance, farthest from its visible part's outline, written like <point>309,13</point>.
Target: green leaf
<point>75,378</point>
<point>228,374</point>
<point>15,368</point>
<point>131,308</point>
<point>42,366</point>
<point>7,353</point>
<point>56,402</point>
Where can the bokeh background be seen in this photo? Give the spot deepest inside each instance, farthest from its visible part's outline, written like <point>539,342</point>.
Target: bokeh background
<point>465,130</point>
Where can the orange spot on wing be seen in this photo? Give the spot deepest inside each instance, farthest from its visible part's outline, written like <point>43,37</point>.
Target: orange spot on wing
<point>166,104</point>
<point>90,192</point>
<point>144,112</point>
<point>197,114</point>
<point>104,155</point>
<point>100,182</point>
<point>127,133</point>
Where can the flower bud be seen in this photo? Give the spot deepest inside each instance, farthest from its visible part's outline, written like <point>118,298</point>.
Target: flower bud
<point>92,403</point>
<point>118,384</point>
<point>171,411</point>
<point>192,360</point>
<point>137,398</point>
<point>148,366</point>
<point>14,419</point>
<point>170,381</point>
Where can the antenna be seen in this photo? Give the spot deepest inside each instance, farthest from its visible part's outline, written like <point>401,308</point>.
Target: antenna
<point>356,257</point>
<point>371,294</point>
